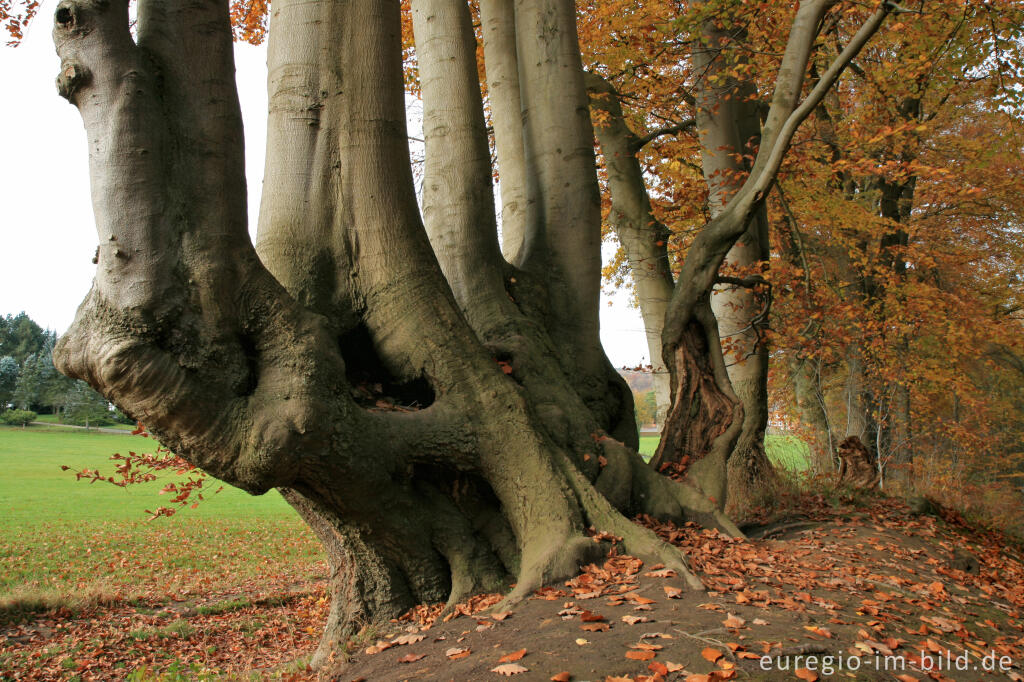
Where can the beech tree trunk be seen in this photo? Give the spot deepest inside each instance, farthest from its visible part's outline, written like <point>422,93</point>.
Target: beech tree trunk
<point>729,126</point>
<point>445,421</point>
<point>643,237</point>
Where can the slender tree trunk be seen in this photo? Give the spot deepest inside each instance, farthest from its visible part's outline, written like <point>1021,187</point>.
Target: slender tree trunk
<point>729,126</point>
<point>497,18</point>
<point>643,237</point>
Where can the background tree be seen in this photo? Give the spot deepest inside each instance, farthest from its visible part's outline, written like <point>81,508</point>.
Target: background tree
<point>85,407</point>
<point>714,41</point>
<point>40,386</point>
<point>21,337</point>
<point>895,238</point>
<point>9,371</point>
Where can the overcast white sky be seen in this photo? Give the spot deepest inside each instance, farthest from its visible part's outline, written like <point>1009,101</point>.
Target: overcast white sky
<point>48,237</point>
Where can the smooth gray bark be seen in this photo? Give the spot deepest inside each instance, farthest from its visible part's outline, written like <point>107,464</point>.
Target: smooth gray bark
<point>729,128</point>
<point>497,18</point>
<point>643,237</point>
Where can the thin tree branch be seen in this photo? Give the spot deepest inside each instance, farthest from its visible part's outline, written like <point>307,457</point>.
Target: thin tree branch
<point>639,143</point>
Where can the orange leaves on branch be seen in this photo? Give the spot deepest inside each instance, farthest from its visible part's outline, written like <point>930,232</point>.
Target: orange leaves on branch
<point>135,468</point>
<point>249,20</point>
<point>15,16</point>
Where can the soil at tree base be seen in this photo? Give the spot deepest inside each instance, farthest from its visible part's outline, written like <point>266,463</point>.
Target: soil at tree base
<point>874,587</point>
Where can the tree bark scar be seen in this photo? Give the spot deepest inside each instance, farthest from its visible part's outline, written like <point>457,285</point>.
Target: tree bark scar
<point>71,78</point>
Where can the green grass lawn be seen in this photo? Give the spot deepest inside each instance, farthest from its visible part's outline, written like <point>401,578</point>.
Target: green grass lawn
<point>68,542</point>
<point>788,452</point>
<point>64,540</point>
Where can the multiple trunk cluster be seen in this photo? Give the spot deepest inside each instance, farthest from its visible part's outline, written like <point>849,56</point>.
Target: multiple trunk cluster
<point>437,407</point>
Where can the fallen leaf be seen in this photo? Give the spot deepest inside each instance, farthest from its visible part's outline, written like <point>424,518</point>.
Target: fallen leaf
<point>662,573</point>
<point>510,669</point>
<point>672,592</point>
<point>710,654</point>
<point>698,678</point>
<point>759,621</point>
<point>561,677</point>
<point>514,656</point>
<point>580,641</point>
<point>456,653</point>
<point>596,627</point>
<point>590,617</point>
<point>734,622</point>
<point>640,655</point>
<point>409,638</point>
<point>658,668</point>
<point>805,674</point>
<point>501,616</point>
<point>633,620</point>
<point>411,658</point>
<point>673,667</point>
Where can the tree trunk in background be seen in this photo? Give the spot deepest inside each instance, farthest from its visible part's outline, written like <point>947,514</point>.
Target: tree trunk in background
<point>729,127</point>
<point>691,344</point>
<point>644,238</point>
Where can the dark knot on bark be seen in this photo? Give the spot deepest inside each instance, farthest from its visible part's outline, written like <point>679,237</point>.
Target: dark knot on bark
<point>72,77</point>
<point>66,16</point>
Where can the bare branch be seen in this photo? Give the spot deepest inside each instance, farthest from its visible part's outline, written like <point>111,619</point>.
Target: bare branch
<point>641,142</point>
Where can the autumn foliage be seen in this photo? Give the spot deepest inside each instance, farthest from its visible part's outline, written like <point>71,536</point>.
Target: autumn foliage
<point>894,282</point>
